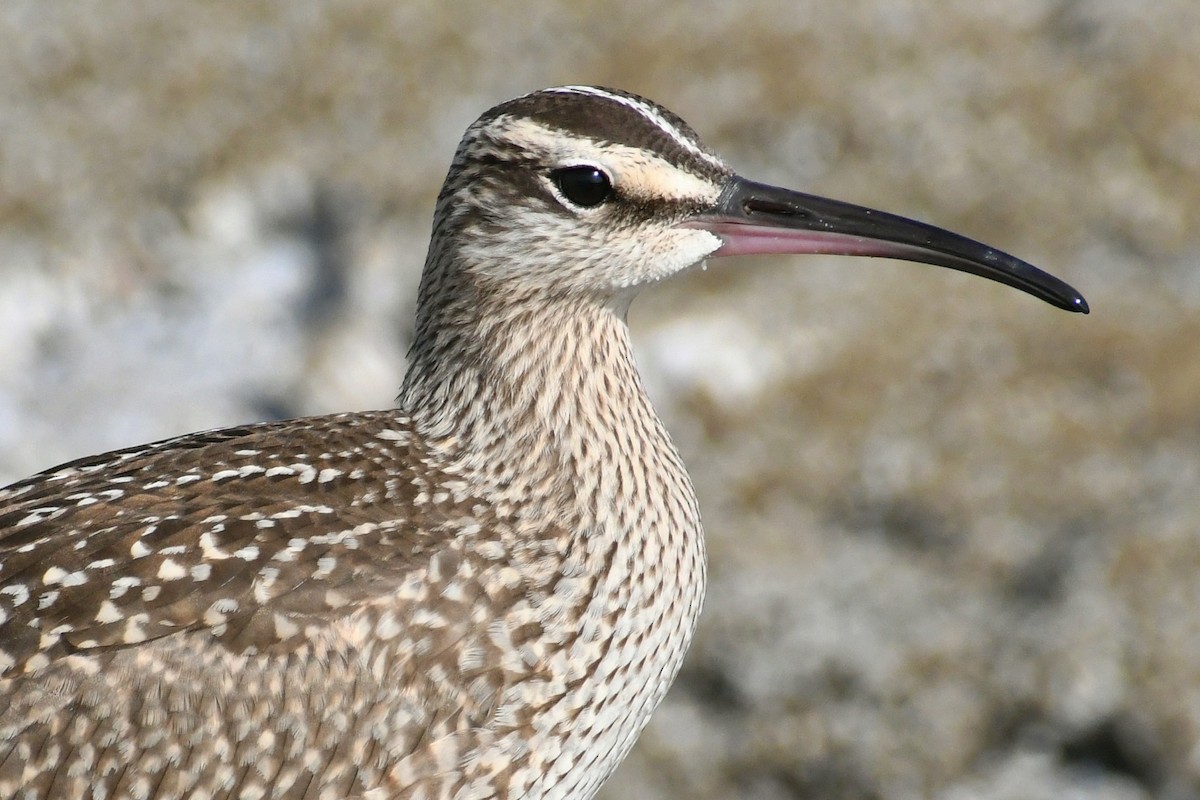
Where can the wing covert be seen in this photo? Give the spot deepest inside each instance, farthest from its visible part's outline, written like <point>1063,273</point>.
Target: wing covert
<point>253,533</point>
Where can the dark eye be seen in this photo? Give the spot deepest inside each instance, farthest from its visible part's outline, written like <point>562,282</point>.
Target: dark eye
<point>584,186</point>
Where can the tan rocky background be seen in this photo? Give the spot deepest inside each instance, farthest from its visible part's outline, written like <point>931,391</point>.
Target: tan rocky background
<point>954,533</point>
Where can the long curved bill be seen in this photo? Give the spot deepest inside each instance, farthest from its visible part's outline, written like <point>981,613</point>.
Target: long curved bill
<point>754,217</point>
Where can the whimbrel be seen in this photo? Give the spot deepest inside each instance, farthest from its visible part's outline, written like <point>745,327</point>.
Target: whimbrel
<point>483,593</point>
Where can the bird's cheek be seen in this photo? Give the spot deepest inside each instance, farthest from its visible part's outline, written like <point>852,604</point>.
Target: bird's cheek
<point>686,248</point>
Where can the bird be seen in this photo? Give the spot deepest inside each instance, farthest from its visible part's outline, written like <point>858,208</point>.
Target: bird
<point>482,592</point>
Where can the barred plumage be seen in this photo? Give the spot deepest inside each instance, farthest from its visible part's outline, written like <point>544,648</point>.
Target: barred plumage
<point>483,593</point>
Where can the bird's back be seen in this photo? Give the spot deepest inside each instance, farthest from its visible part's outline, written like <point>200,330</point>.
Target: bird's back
<point>316,607</point>
<point>186,600</point>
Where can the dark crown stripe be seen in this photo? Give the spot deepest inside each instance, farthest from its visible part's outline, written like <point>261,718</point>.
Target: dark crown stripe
<point>615,117</point>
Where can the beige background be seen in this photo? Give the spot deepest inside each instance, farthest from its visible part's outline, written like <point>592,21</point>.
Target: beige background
<point>954,533</point>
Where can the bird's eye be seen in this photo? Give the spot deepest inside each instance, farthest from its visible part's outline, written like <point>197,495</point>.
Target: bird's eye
<point>584,186</point>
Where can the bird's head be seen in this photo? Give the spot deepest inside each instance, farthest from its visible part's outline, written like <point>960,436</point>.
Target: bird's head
<point>582,190</point>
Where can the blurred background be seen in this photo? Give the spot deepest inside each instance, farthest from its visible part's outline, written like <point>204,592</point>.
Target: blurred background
<point>954,533</point>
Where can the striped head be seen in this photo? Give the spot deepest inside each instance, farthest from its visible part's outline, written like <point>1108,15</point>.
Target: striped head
<point>579,190</point>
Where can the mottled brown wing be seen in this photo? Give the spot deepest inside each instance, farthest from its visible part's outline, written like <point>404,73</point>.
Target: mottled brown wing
<point>251,533</point>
